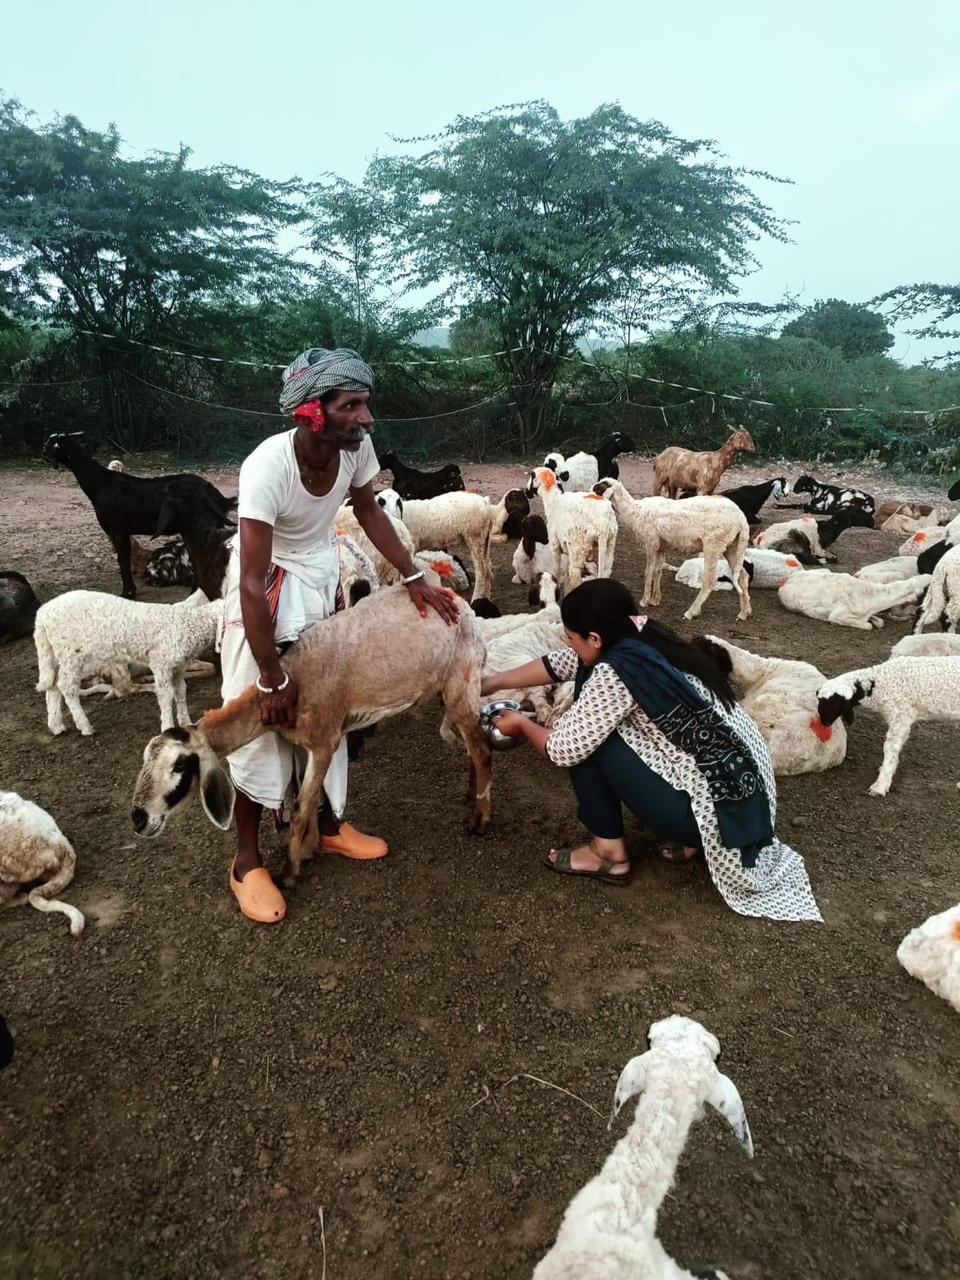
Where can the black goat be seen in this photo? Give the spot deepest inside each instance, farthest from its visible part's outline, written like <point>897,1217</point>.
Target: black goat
<point>411,483</point>
<point>205,533</point>
<point>843,518</point>
<point>608,450</point>
<point>928,560</point>
<point>18,606</point>
<point>825,499</point>
<point>750,498</point>
<point>518,508</point>
<point>126,504</point>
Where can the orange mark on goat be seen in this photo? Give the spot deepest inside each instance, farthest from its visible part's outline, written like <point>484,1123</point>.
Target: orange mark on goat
<point>444,568</point>
<point>596,497</point>
<point>791,563</point>
<point>956,932</point>
<point>548,479</point>
<point>919,537</point>
<point>823,731</point>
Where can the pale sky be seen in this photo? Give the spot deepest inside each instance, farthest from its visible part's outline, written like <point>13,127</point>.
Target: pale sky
<point>858,101</point>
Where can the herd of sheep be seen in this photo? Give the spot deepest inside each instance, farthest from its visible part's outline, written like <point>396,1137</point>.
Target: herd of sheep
<point>352,674</point>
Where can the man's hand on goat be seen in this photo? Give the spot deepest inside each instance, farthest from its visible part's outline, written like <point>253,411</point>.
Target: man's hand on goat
<point>440,598</point>
<point>279,708</point>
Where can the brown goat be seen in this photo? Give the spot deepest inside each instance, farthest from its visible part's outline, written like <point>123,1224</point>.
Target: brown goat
<point>675,468</point>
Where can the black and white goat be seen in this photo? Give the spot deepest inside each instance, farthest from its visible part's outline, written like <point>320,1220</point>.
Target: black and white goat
<point>825,499</point>
<point>750,498</point>
<point>126,504</point>
<point>204,532</point>
<point>411,483</point>
<point>579,472</point>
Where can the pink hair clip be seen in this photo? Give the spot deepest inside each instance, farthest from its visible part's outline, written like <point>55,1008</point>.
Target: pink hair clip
<point>639,620</point>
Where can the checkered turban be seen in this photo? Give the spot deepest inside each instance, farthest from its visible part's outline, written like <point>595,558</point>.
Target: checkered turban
<point>317,370</point>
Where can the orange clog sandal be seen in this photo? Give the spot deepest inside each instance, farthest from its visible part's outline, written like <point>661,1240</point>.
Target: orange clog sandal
<point>351,843</point>
<point>258,897</point>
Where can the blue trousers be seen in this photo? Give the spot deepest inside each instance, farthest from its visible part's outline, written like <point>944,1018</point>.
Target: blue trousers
<point>615,776</point>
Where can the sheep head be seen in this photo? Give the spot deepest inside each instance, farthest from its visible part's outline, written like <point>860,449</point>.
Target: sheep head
<point>391,502</point>
<point>553,461</point>
<point>540,478</point>
<point>839,696</point>
<point>174,763</point>
<point>676,1038</point>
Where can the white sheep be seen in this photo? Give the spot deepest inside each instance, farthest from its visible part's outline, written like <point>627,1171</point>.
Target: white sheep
<point>32,847</point>
<point>847,601</point>
<point>765,569</point>
<point>710,524</point>
<point>83,633</point>
<point>609,1230</point>
<point>799,537</point>
<point>896,569</point>
<point>936,644</point>
<point>931,952</point>
<point>942,601</point>
<point>902,691</point>
<point>579,473</point>
<point>346,522</point>
<point>780,696</point>
<point>449,520</point>
<point>922,540</point>
<point>580,525</point>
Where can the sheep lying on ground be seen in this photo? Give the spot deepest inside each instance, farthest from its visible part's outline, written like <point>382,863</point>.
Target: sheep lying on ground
<point>847,601</point>
<point>780,695</point>
<point>914,511</point>
<point>922,540</point>
<point>609,1229</point>
<point>32,847</point>
<point>825,499</point>
<point>83,633</point>
<point>579,525</point>
<point>931,953</point>
<point>711,525</point>
<point>902,691</point>
<point>765,570</point>
<point>893,570</point>
<point>533,556</point>
<point>531,639</point>
<point>18,606</point>
<point>354,669</point>
<point>942,601</point>
<point>908,519</point>
<point>492,628</point>
<point>800,538</point>
<point>675,468</point>
<point>937,644</point>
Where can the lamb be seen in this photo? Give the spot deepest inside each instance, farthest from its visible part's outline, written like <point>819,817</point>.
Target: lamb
<point>847,601</point>
<point>910,510</point>
<point>438,524</point>
<point>942,601</point>
<point>581,471</point>
<point>533,556</point>
<point>711,525</point>
<point>577,524</point>
<point>780,695</point>
<point>516,505</point>
<point>411,483</point>
<point>125,504</point>
<point>901,690</point>
<point>938,644</point>
<point>893,570</point>
<point>800,538</point>
<point>751,498</point>
<point>608,1231</point>
<point>353,670</point>
<point>931,953</point>
<point>32,847</point>
<point>83,633</point>
<point>825,499</point>
<point>765,569</point>
<point>491,629</point>
<point>675,468</point>
<point>18,606</point>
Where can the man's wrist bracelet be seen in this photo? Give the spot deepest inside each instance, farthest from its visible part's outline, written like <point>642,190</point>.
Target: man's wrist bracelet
<point>414,577</point>
<point>279,688</point>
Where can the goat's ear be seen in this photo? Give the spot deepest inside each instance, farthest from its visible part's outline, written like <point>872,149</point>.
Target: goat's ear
<point>167,516</point>
<point>725,1098</point>
<point>216,792</point>
<point>633,1079</point>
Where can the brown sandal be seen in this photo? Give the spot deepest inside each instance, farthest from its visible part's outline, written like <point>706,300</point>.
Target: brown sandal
<point>561,864</point>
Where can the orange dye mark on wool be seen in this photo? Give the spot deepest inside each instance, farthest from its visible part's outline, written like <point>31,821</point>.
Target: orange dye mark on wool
<point>597,497</point>
<point>919,537</point>
<point>791,563</point>
<point>444,568</point>
<point>956,932</point>
<point>548,479</point>
<point>823,731</point>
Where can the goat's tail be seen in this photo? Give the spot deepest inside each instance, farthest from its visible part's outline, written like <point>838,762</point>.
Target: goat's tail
<point>46,658</point>
<point>42,896</point>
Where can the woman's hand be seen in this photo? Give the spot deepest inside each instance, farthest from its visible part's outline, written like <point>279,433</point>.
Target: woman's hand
<point>442,599</point>
<point>279,708</point>
<point>510,723</point>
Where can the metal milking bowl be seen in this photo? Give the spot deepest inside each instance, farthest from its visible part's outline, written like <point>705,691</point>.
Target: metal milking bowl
<point>499,741</point>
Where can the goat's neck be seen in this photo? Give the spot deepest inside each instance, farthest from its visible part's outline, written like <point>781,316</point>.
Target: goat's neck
<point>728,452</point>
<point>232,726</point>
<point>88,472</point>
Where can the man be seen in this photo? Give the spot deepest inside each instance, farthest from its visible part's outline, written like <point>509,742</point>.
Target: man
<point>283,576</point>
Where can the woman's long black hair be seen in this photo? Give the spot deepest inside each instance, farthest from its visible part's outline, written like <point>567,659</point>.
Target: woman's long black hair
<point>607,607</point>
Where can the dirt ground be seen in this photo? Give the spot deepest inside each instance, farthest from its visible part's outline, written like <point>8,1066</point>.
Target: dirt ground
<point>194,1096</point>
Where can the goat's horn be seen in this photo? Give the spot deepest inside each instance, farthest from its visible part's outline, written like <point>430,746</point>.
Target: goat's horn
<point>726,1099</point>
<point>632,1080</point>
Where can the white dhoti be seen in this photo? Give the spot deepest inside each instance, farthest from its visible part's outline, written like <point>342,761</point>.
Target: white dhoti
<point>263,768</point>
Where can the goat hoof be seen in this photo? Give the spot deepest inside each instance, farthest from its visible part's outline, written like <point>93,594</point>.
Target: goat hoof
<point>877,791</point>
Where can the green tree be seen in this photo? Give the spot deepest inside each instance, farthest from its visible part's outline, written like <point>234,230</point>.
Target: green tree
<point>852,327</point>
<point>937,304</point>
<point>552,227</point>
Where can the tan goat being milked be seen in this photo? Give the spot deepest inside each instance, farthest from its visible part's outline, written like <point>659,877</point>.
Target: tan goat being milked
<point>360,666</point>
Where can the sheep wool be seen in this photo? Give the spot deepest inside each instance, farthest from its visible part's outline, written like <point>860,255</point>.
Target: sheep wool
<point>931,952</point>
<point>32,847</point>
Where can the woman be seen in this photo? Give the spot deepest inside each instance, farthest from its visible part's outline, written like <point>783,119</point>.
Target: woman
<point>655,726</point>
